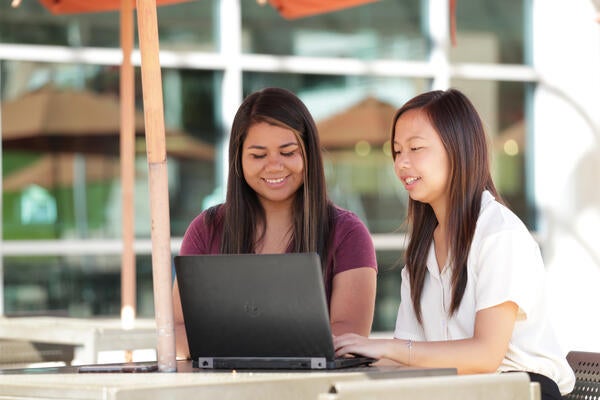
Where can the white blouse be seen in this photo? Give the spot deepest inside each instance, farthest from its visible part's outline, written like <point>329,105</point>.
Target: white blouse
<point>504,264</point>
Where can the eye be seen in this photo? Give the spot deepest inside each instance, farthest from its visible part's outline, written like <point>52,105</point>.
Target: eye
<point>288,153</point>
<point>257,156</point>
<point>415,148</point>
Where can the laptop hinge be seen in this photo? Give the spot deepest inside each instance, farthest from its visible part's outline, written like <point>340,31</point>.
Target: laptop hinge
<point>318,363</point>
<point>204,362</point>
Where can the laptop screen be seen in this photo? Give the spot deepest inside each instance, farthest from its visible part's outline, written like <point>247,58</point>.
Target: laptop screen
<point>254,305</point>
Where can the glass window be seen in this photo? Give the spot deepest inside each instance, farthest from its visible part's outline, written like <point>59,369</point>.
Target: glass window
<point>490,31</point>
<point>181,26</point>
<point>390,263</point>
<point>61,169</point>
<point>354,116</point>
<point>502,108</point>
<point>77,286</point>
<point>384,29</point>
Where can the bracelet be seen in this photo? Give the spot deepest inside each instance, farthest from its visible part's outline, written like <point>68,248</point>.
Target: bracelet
<point>409,346</point>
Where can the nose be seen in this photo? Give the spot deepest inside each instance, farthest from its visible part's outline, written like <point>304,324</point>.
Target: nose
<point>401,161</point>
<point>274,163</point>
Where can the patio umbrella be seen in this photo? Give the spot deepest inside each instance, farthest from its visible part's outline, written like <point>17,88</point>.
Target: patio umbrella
<point>292,9</point>
<point>98,168</point>
<point>55,120</point>
<point>87,6</point>
<point>148,38</point>
<point>370,119</point>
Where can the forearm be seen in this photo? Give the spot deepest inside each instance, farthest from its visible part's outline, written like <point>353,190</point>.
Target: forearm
<point>467,355</point>
<point>181,346</point>
<point>361,326</point>
<point>352,301</point>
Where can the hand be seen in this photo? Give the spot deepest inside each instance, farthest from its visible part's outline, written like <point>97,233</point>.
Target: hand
<point>352,344</point>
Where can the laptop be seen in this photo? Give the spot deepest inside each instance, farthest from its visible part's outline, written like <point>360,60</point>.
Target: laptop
<point>257,311</point>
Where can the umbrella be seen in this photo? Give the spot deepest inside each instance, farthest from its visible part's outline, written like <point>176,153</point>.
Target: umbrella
<point>64,121</point>
<point>98,168</point>
<point>57,120</point>
<point>303,8</point>
<point>370,119</point>
<point>156,151</point>
<point>292,9</point>
<point>87,6</point>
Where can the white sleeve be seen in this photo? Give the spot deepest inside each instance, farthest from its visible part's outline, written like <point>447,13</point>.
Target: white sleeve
<point>508,267</point>
<point>407,326</point>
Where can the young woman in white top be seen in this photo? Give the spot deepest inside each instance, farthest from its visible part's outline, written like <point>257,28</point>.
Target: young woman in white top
<point>473,292</point>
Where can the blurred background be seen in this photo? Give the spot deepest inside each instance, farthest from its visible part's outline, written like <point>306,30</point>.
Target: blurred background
<point>532,68</point>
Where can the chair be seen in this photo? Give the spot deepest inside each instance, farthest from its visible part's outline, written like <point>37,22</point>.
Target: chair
<point>587,375</point>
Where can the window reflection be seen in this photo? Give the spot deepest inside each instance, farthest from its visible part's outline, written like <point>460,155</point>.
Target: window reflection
<point>354,118</point>
<point>60,131</point>
<point>489,31</point>
<point>501,106</point>
<point>384,29</point>
<point>183,26</point>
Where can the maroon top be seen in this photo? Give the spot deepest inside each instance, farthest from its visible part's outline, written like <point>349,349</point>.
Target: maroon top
<point>352,243</point>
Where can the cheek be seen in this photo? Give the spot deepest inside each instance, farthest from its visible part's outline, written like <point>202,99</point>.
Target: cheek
<point>249,168</point>
<point>297,165</point>
<point>396,168</point>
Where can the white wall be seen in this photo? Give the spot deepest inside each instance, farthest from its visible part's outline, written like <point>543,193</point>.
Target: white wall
<point>567,164</point>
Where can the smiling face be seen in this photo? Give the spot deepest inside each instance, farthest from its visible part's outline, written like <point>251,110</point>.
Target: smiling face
<point>420,159</point>
<point>272,163</point>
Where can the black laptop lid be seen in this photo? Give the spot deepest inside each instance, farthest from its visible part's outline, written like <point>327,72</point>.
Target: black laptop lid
<point>251,305</point>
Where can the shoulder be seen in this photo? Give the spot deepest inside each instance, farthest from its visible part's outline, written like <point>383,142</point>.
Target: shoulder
<point>202,235</point>
<point>352,245</point>
<point>349,230</point>
<point>495,218</point>
<point>502,239</point>
<point>208,218</point>
<point>346,219</point>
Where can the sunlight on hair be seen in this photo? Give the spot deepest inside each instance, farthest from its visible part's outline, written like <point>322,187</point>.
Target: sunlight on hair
<point>362,148</point>
<point>511,147</point>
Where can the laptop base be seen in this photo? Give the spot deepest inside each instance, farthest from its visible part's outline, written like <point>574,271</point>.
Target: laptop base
<point>281,363</point>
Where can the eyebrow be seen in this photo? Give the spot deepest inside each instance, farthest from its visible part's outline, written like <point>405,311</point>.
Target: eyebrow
<point>410,138</point>
<point>258,147</point>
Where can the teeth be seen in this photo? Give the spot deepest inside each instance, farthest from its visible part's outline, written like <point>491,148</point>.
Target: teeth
<point>273,181</point>
<point>411,180</point>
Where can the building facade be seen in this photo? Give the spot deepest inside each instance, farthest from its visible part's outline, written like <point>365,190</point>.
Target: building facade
<point>531,68</point>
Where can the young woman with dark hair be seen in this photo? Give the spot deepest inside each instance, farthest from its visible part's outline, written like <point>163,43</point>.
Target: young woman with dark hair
<point>472,294</point>
<point>277,202</point>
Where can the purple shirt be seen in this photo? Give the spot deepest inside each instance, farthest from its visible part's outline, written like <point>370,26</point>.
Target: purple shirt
<point>352,243</point>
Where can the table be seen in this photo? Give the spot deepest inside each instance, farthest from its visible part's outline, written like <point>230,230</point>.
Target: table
<point>91,334</point>
<point>65,383</point>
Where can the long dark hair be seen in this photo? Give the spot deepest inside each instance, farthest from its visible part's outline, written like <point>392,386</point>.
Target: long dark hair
<point>459,126</point>
<point>313,213</point>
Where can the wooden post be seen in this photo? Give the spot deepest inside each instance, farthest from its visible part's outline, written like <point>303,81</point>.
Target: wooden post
<point>127,140</point>
<point>159,190</point>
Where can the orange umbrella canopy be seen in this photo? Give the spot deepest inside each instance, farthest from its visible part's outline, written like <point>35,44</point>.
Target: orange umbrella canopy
<point>292,9</point>
<point>303,8</point>
<point>86,6</point>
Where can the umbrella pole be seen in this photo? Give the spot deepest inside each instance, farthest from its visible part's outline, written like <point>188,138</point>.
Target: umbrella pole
<point>159,190</point>
<point>127,141</point>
